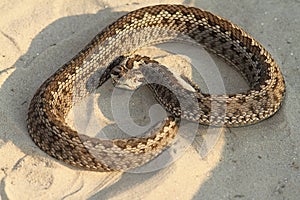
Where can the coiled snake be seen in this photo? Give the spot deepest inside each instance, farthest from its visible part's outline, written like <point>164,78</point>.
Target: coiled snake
<point>92,66</point>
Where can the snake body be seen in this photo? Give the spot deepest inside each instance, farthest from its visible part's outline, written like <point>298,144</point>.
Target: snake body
<point>92,66</point>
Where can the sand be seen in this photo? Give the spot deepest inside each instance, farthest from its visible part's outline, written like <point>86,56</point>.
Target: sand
<point>254,162</point>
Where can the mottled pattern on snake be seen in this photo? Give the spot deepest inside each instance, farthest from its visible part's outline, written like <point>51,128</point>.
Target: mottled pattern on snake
<point>150,25</point>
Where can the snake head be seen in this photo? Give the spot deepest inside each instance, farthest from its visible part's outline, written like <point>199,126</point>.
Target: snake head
<point>126,74</point>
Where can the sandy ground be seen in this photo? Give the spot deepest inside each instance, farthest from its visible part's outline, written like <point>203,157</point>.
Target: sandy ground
<point>254,162</point>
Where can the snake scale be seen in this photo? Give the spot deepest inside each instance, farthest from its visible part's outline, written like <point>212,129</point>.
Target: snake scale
<point>93,65</point>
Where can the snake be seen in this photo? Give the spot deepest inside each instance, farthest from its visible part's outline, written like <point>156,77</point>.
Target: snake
<point>94,64</point>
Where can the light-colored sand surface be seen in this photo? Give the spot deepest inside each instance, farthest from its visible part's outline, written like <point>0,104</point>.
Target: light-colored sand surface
<point>255,162</point>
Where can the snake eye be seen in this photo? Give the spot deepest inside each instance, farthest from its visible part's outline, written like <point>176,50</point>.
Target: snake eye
<point>116,62</point>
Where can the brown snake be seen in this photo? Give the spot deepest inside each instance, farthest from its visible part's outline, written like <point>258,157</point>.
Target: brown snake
<point>146,26</point>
